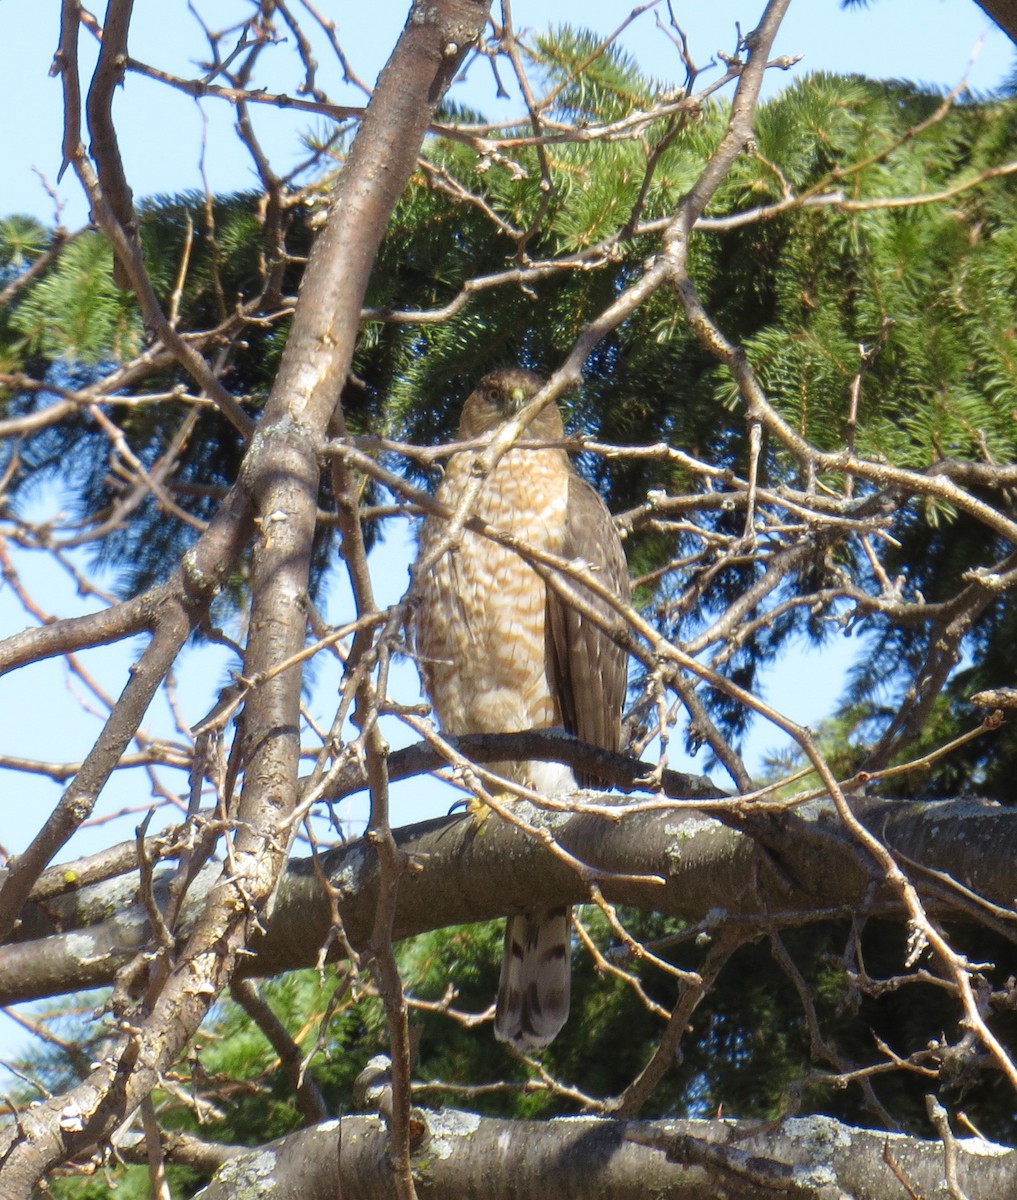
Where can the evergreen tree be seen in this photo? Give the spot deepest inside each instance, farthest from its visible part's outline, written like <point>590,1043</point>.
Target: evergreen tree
<point>876,310</point>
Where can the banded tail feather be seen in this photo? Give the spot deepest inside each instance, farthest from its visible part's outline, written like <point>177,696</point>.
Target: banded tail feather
<point>533,993</point>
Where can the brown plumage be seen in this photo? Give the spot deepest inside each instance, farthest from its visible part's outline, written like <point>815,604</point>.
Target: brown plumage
<point>501,652</point>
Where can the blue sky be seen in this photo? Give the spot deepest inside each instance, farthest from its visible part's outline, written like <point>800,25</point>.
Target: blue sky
<point>164,136</point>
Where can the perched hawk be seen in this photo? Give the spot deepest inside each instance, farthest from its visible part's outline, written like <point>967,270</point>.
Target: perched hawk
<point>501,652</point>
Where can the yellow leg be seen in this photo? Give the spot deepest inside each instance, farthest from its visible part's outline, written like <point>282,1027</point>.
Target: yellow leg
<point>477,809</point>
<point>480,810</point>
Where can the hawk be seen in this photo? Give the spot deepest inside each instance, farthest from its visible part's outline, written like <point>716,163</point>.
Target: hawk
<point>501,652</point>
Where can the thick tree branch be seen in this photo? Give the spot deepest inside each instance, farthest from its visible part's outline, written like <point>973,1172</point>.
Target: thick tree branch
<point>956,851</point>
<point>463,1155</point>
<point>1004,13</point>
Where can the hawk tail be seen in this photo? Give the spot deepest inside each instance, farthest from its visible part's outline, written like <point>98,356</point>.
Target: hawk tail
<point>533,993</point>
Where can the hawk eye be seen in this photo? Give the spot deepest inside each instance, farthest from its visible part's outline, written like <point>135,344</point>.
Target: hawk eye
<point>494,395</point>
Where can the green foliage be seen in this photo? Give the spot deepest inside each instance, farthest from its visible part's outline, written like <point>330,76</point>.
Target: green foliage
<point>22,240</point>
<point>75,313</point>
<point>601,87</point>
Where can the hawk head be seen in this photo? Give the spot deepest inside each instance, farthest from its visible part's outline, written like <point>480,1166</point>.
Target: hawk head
<point>500,396</point>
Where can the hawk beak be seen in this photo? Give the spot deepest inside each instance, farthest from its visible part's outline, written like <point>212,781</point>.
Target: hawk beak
<point>518,398</point>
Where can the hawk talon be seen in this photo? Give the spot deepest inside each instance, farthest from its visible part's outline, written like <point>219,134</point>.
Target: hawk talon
<point>473,807</point>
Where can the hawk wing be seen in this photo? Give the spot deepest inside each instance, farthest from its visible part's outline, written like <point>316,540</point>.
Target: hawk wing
<point>587,670</point>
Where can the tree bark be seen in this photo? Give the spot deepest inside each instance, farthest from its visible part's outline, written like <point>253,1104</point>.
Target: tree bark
<point>1004,13</point>
<point>462,1156</point>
